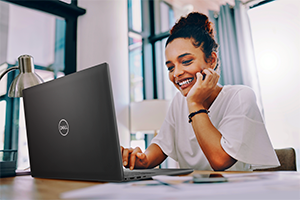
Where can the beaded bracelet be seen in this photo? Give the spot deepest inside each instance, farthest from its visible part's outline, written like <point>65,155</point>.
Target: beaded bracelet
<point>197,112</point>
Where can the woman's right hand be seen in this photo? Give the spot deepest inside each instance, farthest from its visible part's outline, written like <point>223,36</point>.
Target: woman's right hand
<point>202,89</point>
<point>134,158</point>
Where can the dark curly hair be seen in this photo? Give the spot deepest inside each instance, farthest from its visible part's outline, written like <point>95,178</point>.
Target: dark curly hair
<point>197,27</point>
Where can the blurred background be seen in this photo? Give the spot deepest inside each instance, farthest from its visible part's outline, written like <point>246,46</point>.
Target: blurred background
<point>259,47</point>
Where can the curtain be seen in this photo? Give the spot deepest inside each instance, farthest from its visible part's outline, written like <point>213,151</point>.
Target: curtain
<point>236,52</point>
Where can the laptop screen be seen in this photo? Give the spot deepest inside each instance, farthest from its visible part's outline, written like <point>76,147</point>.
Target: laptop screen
<point>71,127</point>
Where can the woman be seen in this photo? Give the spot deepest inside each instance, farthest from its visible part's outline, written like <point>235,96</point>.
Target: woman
<point>208,127</point>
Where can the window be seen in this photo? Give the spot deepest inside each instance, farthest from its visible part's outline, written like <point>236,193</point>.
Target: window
<point>135,50</point>
<point>136,68</point>
<point>42,36</point>
<point>135,15</point>
<point>30,32</point>
<point>165,89</point>
<point>50,40</point>
<point>167,19</point>
<point>2,122</point>
<point>149,23</point>
<point>275,30</point>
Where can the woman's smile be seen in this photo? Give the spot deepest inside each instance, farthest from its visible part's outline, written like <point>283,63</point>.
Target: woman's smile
<point>184,83</point>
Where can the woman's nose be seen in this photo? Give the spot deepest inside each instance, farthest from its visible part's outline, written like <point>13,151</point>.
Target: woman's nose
<point>178,71</point>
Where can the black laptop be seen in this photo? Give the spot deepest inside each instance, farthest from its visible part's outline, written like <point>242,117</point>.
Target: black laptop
<point>72,130</point>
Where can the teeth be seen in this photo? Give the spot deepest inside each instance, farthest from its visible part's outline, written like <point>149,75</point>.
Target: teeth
<point>185,82</point>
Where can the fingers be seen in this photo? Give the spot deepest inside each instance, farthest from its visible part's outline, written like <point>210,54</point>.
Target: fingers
<point>125,154</point>
<point>130,156</point>
<point>141,156</point>
<point>215,76</point>
<point>199,76</point>
<point>211,76</point>
<point>133,157</point>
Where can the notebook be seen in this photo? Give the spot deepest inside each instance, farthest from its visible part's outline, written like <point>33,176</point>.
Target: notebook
<point>72,130</point>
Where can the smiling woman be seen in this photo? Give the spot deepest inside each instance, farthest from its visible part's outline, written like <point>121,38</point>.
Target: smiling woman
<point>208,126</point>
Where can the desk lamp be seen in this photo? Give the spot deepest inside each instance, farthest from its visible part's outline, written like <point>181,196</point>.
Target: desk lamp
<point>148,115</point>
<point>26,78</point>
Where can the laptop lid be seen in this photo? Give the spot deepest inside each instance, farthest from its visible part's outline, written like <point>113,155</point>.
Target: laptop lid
<point>71,127</point>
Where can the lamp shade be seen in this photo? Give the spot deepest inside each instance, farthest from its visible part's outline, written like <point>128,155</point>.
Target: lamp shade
<point>148,115</point>
<point>26,78</point>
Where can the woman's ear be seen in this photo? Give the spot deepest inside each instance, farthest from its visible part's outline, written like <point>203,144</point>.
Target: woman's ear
<point>213,60</point>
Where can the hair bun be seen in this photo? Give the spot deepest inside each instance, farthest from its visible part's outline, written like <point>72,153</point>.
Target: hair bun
<point>194,19</point>
<point>199,30</point>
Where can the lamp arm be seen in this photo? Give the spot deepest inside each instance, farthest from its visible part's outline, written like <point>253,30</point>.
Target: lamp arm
<point>8,70</point>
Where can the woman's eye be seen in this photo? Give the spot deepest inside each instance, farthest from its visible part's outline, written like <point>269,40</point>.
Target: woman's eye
<point>170,68</point>
<point>187,62</point>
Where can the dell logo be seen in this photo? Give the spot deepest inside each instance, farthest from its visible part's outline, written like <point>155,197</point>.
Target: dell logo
<point>63,127</point>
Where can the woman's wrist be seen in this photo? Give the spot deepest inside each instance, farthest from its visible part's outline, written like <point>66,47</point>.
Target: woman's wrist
<point>193,107</point>
<point>192,114</point>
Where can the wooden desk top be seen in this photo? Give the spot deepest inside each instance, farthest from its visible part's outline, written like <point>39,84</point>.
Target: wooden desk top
<point>26,187</point>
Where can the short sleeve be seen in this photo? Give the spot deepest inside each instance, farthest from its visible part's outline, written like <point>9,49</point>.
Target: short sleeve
<point>165,139</point>
<point>244,136</point>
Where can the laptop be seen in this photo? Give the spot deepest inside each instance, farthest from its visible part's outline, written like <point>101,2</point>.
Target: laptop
<point>72,130</point>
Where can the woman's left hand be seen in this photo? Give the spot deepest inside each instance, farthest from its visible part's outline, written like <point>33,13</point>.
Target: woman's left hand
<point>202,89</point>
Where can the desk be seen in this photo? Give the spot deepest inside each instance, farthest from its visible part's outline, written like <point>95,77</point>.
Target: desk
<point>26,187</point>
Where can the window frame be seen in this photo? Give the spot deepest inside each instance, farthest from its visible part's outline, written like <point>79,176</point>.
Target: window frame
<point>12,114</point>
<point>69,12</point>
<point>151,34</point>
<point>157,40</point>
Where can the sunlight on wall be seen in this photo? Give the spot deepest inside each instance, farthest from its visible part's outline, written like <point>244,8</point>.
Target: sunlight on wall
<point>275,30</point>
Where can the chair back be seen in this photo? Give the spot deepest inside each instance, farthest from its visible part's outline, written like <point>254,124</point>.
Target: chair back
<point>287,159</point>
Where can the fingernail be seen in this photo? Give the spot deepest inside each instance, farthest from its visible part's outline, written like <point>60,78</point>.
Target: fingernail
<point>131,168</point>
<point>124,163</point>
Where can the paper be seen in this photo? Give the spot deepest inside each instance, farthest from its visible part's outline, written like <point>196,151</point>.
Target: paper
<point>240,186</point>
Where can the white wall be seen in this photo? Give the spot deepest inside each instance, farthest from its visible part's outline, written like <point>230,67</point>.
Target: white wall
<point>102,36</point>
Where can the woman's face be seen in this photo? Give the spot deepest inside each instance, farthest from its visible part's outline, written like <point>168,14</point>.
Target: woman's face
<point>183,61</point>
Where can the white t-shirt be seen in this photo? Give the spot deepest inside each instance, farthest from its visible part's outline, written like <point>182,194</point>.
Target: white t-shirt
<point>236,115</point>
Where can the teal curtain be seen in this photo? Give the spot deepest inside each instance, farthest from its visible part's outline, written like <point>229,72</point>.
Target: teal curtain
<point>236,52</point>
